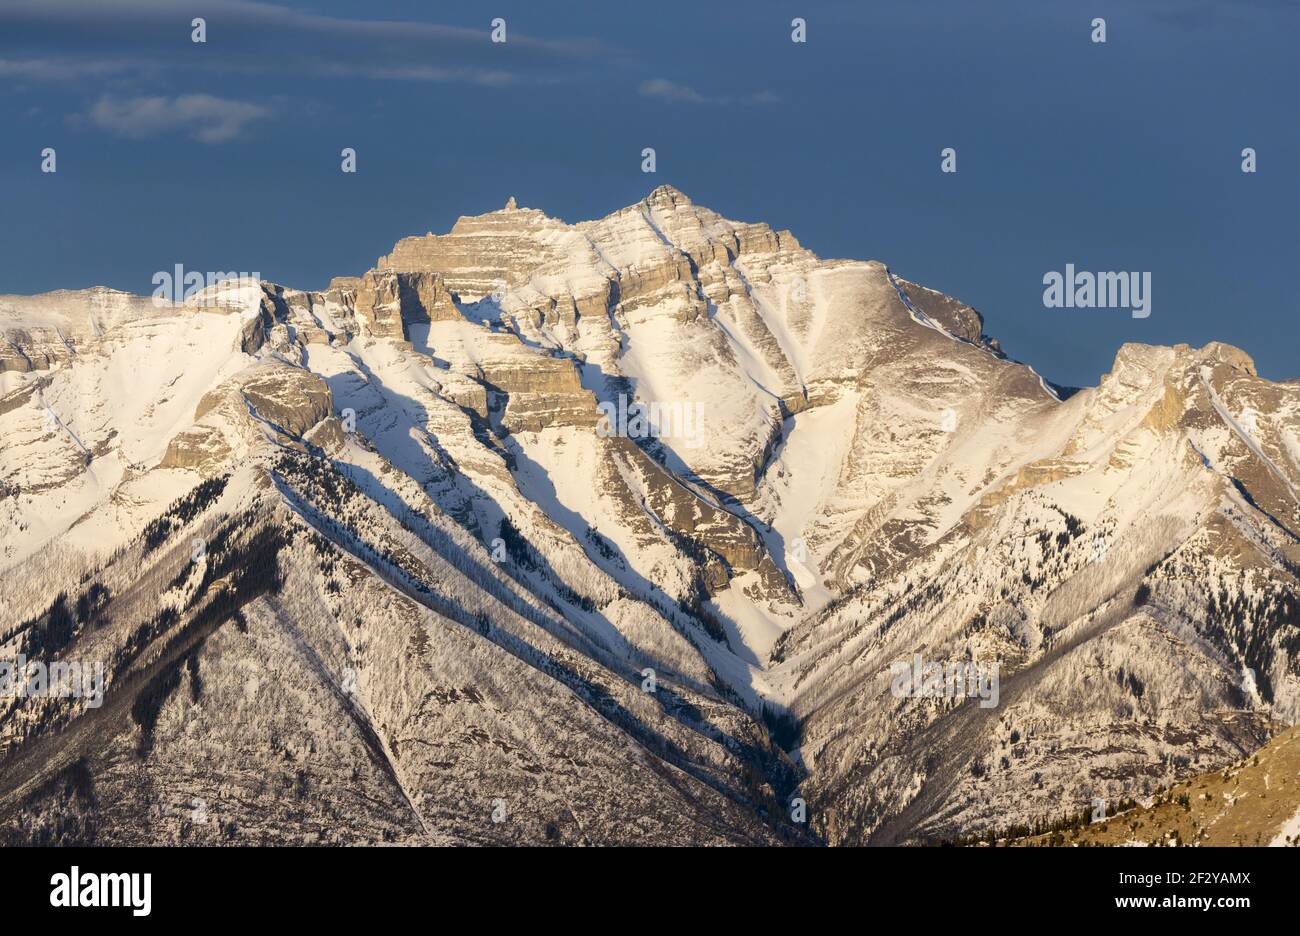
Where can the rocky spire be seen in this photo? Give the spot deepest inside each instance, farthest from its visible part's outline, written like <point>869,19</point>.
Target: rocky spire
<point>666,196</point>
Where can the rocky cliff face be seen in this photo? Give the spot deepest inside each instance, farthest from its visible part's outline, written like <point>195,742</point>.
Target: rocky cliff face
<point>515,536</point>
<point>387,301</point>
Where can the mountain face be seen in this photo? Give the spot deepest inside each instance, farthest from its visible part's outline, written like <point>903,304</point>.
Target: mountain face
<point>1254,802</point>
<point>643,530</point>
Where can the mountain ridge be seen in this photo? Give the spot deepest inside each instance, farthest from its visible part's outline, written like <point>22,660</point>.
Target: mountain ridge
<point>872,478</point>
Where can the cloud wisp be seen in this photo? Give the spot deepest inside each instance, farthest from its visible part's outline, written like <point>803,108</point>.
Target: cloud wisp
<point>69,40</point>
<point>203,117</point>
<point>663,89</point>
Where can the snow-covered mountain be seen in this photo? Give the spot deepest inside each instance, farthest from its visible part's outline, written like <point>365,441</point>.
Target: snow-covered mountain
<point>405,559</point>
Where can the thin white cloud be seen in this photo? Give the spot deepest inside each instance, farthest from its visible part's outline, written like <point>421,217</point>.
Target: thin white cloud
<point>56,69</point>
<point>478,76</point>
<point>664,90</point>
<point>203,117</point>
<point>67,40</point>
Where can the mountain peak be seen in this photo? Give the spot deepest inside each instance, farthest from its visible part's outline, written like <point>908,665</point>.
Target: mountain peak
<point>1155,358</point>
<point>1232,356</point>
<point>667,196</point>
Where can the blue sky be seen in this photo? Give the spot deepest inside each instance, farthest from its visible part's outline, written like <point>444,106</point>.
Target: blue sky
<point>1122,156</point>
